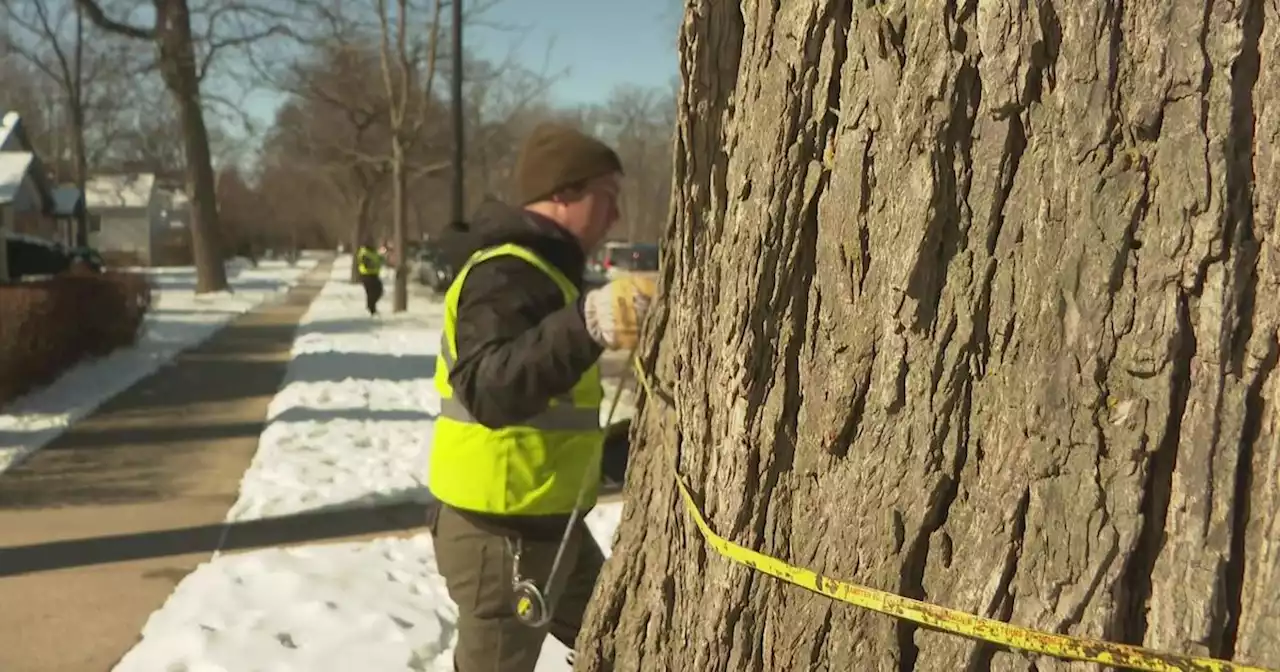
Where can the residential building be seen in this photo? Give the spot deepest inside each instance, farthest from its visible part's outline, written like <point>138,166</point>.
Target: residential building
<point>131,220</point>
<point>26,194</point>
<point>69,212</point>
<point>25,189</point>
<point>173,240</point>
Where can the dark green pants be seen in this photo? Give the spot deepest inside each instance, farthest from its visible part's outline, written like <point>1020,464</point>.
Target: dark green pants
<point>477,568</point>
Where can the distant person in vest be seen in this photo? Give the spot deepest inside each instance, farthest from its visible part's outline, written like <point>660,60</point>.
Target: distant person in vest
<point>369,266</point>
<point>519,430</point>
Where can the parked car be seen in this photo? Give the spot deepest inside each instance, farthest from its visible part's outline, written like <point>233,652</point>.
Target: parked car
<point>616,258</point>
<point>31,256</point>
<point>430,269</point>
<point>92,259</point>
<point>596,264</point>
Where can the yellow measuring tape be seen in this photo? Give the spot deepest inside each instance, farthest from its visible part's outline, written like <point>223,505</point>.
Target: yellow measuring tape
<point>941,618</point>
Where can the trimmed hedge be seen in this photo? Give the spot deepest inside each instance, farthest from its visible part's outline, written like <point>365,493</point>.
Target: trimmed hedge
<point>49,326</point>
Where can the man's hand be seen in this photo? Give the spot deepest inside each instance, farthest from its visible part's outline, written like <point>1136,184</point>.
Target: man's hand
<point>615,312</point>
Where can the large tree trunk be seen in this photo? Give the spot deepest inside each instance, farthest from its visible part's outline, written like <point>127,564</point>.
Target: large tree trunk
<point>972,302</point>
<point>178,67</point>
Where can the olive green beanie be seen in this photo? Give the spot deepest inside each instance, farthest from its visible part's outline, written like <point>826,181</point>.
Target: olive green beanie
<point>555,156</point>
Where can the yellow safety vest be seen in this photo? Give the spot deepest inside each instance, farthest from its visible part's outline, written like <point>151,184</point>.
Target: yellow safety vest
<point>534,468</point>
<point>367,262</point>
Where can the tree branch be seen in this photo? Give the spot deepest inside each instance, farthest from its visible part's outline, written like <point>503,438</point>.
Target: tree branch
<point>100,19</point>
<point>433,52</point>
<point>78,87</point>
<point>360,115</point>
<point>384,58</point>
<point>349,155</point>
<point>232,42</point>
<point>430,169</point>
<point>44,32</point>
<point>213,44</point>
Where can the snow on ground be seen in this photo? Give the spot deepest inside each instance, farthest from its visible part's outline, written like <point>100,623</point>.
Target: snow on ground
<point>349,423</point>
<point>349,427</point>
<point>179,319</point>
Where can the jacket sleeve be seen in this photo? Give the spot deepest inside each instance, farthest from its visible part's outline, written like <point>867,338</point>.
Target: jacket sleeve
<point>518,344</point>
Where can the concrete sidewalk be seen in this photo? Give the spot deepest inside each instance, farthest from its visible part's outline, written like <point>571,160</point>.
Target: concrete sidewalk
<point>165,455</point>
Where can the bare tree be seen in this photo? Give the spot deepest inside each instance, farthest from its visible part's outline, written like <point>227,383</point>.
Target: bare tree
<point>24,93</point>
<point>504,100</point>
<point>176,43</point>
<point>335,120</point>
<point>298,202</point>
<point>400,130</point>
<point>409,83</point>
<point>47,46</point>
<point>240,207</point>
<point>969,302</point>
<point>51,35</point>
<point>336,124</point>
<point>640,122</point>
<point>151,138</point>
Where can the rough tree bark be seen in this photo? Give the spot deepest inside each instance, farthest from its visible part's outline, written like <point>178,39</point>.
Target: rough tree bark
<point>973,302</point>
<point>178,68</point>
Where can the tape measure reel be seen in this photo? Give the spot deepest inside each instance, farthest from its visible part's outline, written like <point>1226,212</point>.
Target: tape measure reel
<point>531,606</point>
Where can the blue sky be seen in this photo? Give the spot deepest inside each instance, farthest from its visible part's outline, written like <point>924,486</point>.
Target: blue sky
<point>601,43</point>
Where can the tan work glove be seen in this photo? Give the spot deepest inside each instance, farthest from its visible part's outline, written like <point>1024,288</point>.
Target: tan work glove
<point>615,312</point>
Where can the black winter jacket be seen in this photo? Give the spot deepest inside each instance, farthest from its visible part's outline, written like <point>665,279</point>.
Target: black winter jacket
<point>518,344</point>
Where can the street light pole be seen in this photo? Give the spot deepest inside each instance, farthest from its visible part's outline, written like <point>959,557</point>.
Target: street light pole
<point>458,130</point>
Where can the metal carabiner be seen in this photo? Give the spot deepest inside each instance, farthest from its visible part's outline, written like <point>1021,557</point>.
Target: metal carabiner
<point>530,605</point>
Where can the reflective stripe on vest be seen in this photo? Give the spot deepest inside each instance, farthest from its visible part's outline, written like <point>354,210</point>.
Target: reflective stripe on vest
<point>534,467</point>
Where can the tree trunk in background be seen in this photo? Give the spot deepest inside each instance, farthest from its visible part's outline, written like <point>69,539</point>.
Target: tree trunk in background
<point>364,206</point>
<point>80,236</point>
<point>178,67</point>
<point>400,295</point>
<point>975,304</point>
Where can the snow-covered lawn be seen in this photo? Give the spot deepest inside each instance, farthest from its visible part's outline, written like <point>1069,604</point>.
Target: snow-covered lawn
<point>349,424</point>
<point>179,319</point>
<point>349,427</point>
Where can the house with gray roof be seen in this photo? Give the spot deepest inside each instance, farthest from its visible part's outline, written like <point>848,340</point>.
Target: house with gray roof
<point>131,220</point>
<point>26,193</point>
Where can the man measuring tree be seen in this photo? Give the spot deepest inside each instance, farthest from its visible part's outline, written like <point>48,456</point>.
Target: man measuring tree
<point>517,452</point>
